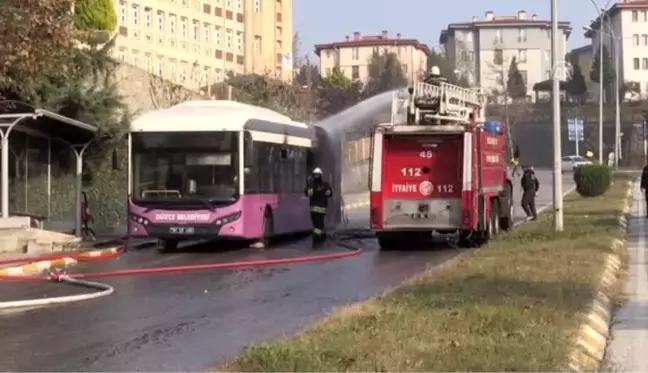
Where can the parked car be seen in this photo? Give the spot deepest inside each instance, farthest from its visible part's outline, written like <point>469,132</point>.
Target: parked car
<point>571,162</point>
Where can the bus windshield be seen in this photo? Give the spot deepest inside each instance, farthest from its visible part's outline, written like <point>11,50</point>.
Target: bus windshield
<point>185,168</point>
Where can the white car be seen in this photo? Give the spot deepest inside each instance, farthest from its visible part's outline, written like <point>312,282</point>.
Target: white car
<point>571,162</point>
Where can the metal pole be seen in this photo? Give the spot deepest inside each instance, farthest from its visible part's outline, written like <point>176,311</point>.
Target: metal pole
<point>617,121</point>
<point>79,191</point>
<point>577,138</point>
<point>600,127</point>
<point>557,171</point>
<point>49,178</point>
<point>5,174</point>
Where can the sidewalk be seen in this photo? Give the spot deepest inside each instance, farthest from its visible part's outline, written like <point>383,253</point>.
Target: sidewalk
<point>628,347</point>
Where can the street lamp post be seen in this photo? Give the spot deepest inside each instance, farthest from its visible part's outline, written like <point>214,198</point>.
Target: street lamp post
<point>617,96</point>
<point>602,14</point>
<point>557,168</point>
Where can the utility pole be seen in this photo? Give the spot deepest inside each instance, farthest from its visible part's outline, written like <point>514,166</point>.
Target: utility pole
<point>557,167</point>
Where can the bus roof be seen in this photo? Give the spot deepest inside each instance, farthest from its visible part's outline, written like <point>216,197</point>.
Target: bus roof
<point>208,115</point>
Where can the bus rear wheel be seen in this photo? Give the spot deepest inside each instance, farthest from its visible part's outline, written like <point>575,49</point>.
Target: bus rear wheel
<point>165,246</point>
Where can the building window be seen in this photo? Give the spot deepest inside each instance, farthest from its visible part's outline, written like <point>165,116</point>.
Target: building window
<point>196,30</point>
<point>135,14</point>
<point>635,63</point>
<point>257,44</point>
<point>172,24</point>
<point>471,56</point>
<point>239,4</point>
<point>229,3</point>
<point>644,38</point>
<point>160,21</point>
<point>217,35</point>
<point>464,56</point>
<point>355,72</point>
<point>122,12</point>
<point>147,64</point>
<point>185,3</point>
<point>355,54</point>
<point>147,17</point>
<point>635,39</point>
<point>644,16</point>
<point>122,56</point>
<point>173,70</point>
<point>644,63</point>
<point>228,39</point>
<point>206,30</point>
<point>183,74</point>
<point>239,41</point>
<point>498,57</point>
<point>635,16</point>
<point>257,6</point>
<point>522,55</point>
<point>498,36</point>
<point>522,35</point>
<point>184,26</point>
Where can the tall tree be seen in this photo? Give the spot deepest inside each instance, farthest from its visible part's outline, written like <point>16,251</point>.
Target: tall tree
<point>576,86</point>
<point>36,38</point>
<point>385,74</point>
<point>336,92</point>
<point>296,52</point>
<point>95,15</point>
<point>515,84</point>
<point>608,69</point>
<point>307,74</point>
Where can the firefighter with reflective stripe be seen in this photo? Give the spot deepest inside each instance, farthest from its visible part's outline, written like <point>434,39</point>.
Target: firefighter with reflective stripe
<point>318,191</point>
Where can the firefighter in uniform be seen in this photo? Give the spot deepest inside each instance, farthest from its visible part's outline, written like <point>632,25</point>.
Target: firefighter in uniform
<point>530,186</point>
<point>318,191</point>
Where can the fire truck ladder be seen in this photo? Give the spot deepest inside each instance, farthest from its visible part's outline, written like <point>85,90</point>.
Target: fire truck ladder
<point>443,103</point>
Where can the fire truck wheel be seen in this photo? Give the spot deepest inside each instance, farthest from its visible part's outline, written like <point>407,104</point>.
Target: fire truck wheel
<point>387,241</point>
<point>165,246</point>
<point>506,203</point>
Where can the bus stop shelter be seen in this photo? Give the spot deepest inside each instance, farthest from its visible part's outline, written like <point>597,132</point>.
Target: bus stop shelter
<point>52,127</point>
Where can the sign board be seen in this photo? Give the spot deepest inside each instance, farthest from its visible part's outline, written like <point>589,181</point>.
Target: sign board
<point>575,129</point>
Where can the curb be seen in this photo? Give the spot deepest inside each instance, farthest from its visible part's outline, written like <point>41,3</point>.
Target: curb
<point>593,334</point>
<point>44,265</point>
<point>356,205</point>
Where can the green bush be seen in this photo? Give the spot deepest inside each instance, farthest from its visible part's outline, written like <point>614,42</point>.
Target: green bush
<point>592,179</point>
<point>95,15</point>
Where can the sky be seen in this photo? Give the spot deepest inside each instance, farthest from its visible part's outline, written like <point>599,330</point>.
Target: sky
<point>331,20</point>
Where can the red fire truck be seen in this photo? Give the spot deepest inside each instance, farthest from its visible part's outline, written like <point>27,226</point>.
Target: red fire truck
<point>439,168</point>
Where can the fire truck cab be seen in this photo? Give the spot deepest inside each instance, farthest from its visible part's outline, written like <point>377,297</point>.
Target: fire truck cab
<point>439,167</point>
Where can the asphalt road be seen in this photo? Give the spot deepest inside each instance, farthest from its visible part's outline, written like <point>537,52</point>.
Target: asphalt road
<point>191,321</point>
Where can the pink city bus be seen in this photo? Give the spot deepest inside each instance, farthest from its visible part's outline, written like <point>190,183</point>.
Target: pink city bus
<point>218,170</point>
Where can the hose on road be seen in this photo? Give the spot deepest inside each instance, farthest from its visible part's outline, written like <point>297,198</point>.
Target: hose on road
<point>338,238</point>
<point>104,290</point>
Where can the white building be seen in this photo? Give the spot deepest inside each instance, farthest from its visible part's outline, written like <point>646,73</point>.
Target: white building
<point>482,49</point>
<point>625,30</point>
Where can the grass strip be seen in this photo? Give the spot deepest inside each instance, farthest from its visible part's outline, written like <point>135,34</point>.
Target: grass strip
<point>513,305</point>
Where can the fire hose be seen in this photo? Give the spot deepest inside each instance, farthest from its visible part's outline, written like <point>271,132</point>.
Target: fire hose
<point>82,279</point>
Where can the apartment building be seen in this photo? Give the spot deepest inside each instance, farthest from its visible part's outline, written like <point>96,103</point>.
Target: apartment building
<point>354,54</point>
<point>482,49</point>
<point>197,42</point>
<point>625,31</point>
<point>583,57</point>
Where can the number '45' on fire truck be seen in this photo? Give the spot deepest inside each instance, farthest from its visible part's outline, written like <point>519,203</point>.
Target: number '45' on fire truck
<point>439,168</point>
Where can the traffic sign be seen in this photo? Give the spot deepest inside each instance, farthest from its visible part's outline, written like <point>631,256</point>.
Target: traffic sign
<point>575,129</point>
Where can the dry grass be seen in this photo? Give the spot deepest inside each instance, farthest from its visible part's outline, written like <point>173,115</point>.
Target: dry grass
<point>513,305</point>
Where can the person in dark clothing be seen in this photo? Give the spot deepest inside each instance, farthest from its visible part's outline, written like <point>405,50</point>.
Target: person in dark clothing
<point>644,185</point>
<point>530,186</point>
<point>318,191</point>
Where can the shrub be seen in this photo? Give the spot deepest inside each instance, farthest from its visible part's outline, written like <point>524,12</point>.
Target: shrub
<point>95,15</point>
<point>592,179</point>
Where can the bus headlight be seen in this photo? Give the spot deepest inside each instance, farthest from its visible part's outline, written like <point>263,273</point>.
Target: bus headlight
<point>139,220</point>
<point>229,218</point>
